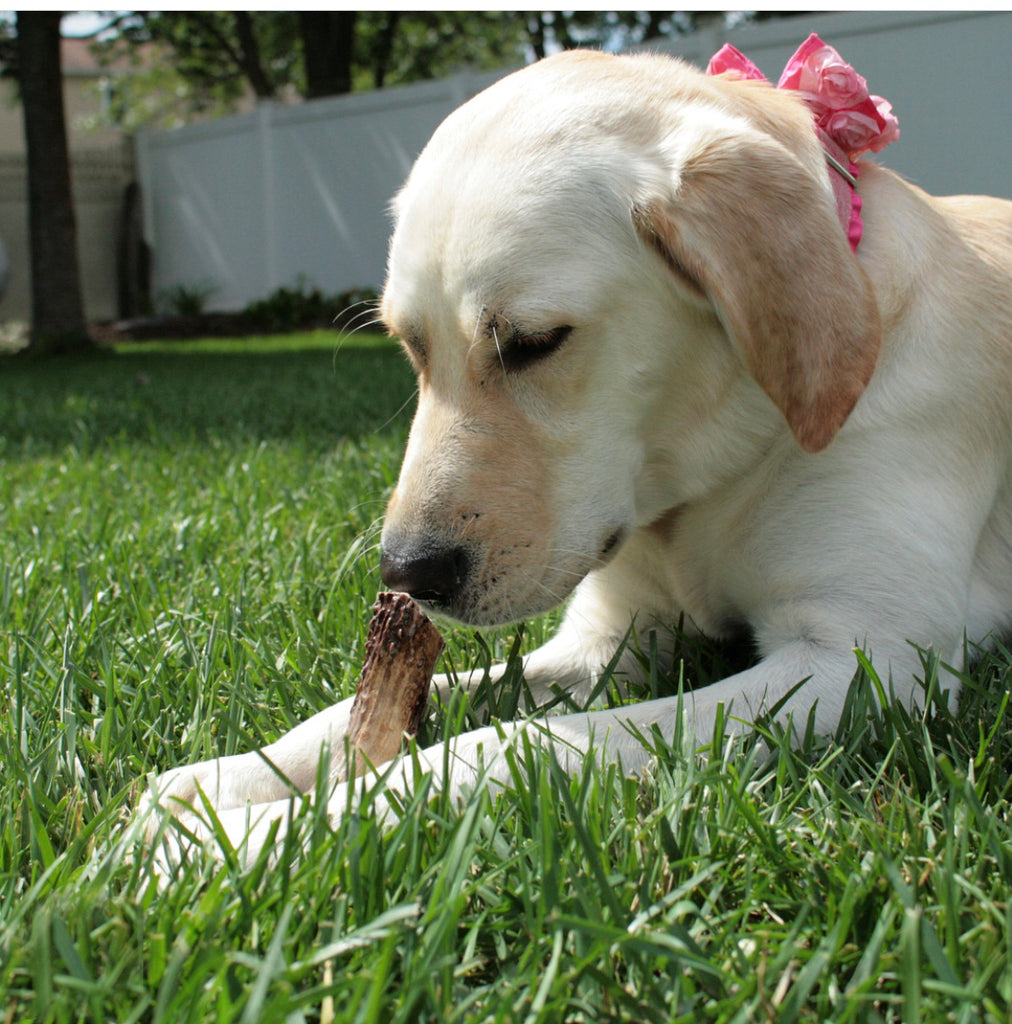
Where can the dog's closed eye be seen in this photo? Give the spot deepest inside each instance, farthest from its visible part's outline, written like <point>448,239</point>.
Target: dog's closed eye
<point>520,350</point>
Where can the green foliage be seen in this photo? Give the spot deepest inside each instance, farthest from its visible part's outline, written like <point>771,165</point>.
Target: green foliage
<point>197,62</point>
<point>303,306</point>
<point>398,47</point>
<point>187,562</point>
<point>217,57</point>
<point>204,62</point>
<point>186,299</point>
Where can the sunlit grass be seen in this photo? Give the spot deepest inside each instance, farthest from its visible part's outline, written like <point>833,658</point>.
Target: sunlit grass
<point>187,565</point>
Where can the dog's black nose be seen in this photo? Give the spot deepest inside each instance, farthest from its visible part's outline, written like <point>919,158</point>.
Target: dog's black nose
<point>429,573</point>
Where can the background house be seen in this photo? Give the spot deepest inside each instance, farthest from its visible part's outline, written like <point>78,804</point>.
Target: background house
<point>102,169</point>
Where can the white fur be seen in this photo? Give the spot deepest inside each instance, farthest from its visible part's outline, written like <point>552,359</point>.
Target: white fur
<point>650,421</point>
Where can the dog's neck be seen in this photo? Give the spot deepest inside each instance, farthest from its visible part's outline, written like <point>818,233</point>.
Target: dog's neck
<point>843,173</point>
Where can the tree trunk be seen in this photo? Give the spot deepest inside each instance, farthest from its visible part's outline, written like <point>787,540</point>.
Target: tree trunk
<point>58,324</point>
<point>249,59</point>
<point>536,33</point>
<point>385,48</point>
<point>328,43</point>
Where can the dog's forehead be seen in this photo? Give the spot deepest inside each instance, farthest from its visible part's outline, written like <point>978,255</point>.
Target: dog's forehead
<point>530,187</point>
<point>529,245</point>
<point>498,215</point>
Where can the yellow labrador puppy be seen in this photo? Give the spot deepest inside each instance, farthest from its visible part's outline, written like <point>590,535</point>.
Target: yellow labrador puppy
<point>653,375</point>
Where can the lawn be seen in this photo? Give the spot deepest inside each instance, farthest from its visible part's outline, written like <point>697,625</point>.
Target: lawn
<point>188,557</point>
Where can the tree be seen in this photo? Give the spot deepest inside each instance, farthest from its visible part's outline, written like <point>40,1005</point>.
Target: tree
<point>216,57</point>
<point>220,56</point>
<point>328,47</point>
<point>58,324</point>
<point>397,47</point>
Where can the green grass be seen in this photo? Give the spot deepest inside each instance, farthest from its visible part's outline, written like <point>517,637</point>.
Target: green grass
<point>187,564</point>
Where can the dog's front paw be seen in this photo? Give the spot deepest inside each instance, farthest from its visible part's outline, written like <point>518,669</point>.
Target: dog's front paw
<point>184,794</point>
<point>178,792</point>
<point>221,785</point>
<point>195,793</point>
<point>196,810</point>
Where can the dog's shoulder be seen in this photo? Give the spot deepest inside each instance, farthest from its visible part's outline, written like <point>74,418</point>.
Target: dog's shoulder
<point>985,223</point>
<point>952,250</point>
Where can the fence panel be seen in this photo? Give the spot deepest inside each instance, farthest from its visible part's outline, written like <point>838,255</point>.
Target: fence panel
<point>286,195</point>
<point>203,190</point>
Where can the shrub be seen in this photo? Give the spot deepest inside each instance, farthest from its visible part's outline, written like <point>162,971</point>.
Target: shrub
<point>186,299</point>
<point>302,308</point>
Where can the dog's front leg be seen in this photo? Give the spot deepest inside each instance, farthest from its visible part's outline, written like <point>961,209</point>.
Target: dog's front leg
<point>572,663</point>
<point>283,769</point>
<point>289,766</point>
<point>487,756</point>
<point>454,768</point>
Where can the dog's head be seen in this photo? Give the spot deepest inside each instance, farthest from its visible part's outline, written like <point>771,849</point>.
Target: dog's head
<point>617,280</point>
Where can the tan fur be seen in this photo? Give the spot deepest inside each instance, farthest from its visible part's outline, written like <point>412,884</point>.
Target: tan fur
<point>746,223</point>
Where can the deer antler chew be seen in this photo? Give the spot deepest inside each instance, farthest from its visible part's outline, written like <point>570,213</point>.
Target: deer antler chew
<point>400,654</point>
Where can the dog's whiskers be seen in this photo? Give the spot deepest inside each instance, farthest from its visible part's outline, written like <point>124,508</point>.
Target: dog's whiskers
<point>477,327</point>
<point>591,561</point>
<point>365,325</point>
<point>399,410</point>
<point>356,323</point>
<point>498,348</point>
<point>371,308</point>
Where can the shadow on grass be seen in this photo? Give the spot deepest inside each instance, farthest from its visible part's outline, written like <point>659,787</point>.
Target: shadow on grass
<point>313,388</point>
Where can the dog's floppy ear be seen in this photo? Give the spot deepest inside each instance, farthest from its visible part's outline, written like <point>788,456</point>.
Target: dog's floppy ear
<point>748,227</point>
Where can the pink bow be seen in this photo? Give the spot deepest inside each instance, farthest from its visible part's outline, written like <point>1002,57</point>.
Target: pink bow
<point>837,95</point>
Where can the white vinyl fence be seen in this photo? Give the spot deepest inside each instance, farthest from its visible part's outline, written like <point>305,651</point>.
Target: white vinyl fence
<point>300,194</point>
<point>287,195</point>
